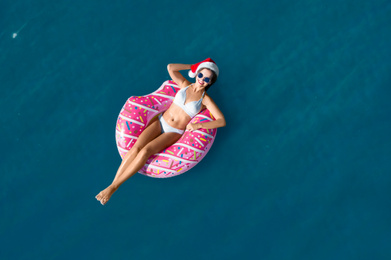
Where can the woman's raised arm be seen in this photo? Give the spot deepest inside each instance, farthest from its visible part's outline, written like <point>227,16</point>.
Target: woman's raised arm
<point>173,70</point>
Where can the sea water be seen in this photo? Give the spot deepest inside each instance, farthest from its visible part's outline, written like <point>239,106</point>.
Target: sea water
<point>301,171</point>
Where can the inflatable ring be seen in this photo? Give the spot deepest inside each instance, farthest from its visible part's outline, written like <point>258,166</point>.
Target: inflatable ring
<point>176,159</point>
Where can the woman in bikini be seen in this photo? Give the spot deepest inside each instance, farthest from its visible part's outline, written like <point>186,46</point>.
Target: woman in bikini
<point>169,127</point>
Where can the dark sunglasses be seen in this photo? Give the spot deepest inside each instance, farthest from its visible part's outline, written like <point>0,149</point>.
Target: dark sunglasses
<point>206,79</point>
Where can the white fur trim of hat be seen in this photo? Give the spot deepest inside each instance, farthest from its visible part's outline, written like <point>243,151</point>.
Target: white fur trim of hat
<point>205,64</point>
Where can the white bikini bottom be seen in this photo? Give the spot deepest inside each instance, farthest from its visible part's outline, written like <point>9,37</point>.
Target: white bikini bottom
<point>166,128</point>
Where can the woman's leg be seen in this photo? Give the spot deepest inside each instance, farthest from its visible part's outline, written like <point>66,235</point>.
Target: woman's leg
<point>151,132</point>
<point>156,145</point>
<point>162,141</point>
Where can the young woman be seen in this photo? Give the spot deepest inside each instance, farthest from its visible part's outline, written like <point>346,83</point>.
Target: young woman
<point>164,131</point>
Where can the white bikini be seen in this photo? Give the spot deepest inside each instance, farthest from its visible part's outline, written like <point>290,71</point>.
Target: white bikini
<point>191,108</point>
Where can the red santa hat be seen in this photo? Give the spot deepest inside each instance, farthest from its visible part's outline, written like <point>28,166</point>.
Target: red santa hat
<point>205,64</point>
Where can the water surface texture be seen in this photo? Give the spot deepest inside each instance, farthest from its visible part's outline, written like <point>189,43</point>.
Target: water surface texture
<point>301,171</point>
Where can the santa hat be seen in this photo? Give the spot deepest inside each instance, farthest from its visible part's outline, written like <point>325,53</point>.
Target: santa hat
<point>205,64</point>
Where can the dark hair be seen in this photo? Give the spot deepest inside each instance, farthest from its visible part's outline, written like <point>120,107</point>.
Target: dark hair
<point>213,80</point>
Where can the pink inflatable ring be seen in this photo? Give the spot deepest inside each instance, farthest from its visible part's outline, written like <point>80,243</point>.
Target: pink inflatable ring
<point>179,157</point>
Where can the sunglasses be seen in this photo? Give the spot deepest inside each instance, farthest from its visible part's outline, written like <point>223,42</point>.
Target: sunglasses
<point>206,79</point>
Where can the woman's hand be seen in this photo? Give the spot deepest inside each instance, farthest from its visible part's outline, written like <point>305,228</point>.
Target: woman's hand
<point>193,127</point>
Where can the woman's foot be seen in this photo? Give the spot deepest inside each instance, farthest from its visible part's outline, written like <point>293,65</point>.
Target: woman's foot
<point>105,194</point>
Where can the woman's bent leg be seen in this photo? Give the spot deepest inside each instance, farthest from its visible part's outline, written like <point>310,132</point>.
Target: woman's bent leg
<point>156,145</point>
<point>151,132</point>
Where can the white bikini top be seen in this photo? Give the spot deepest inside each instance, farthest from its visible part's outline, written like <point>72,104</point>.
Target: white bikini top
<point>191,108</point>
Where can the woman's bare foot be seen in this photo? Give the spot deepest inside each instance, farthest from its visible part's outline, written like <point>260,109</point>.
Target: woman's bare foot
<point>105,194</point>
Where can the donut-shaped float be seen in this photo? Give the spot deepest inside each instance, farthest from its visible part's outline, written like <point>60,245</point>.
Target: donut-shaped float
<point>180,157</point>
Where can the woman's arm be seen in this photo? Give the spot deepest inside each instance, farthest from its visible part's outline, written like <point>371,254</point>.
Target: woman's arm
<point>173,70</point>
<point>216,112</point>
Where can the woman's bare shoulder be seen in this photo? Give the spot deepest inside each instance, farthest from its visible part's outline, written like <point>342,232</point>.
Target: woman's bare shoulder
<point>207,98</point>
<point>183,84</point>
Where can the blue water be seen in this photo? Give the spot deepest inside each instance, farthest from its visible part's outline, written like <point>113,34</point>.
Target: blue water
<point>301,171</point>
